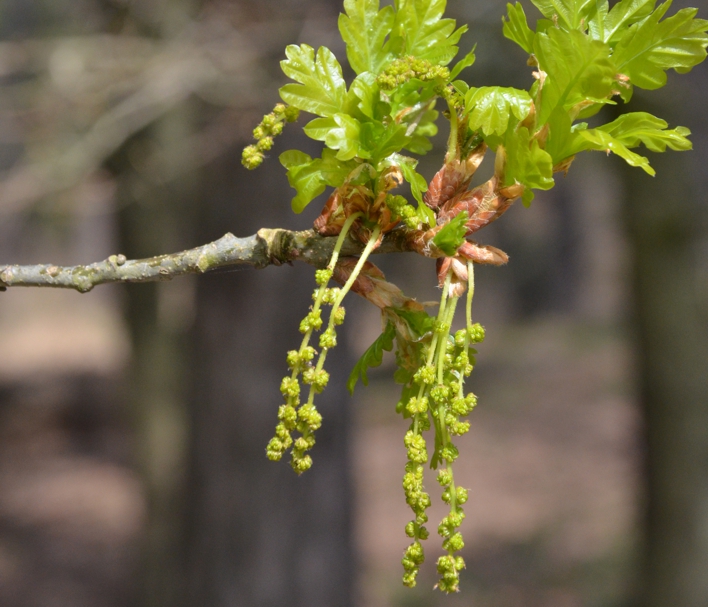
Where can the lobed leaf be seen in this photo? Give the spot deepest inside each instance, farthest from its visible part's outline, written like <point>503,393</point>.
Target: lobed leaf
<point>517,28</point>
<point>640,127</point>
<point>425,128</point>
<point>364,29</point>
<point>419,322</point>
<point>651,47</point>
<point>319,127</point>
<point>600,140</point>
<point>490,107</point>
<point>609,25</point>
<point>364,95</point>
<point>334,171</point>
<point>563,140</point>
<point>304,176</point>
<point>345,137</point>
<point>411,94</point>
<point>372,357</point>
<point>383,140</point>
<point>568,14</point>
<point>578,71</point>
<point>467,61</point>
<point>321,89</point>
<point>526,162</point>
<point>421,31</point>
<point>309,176</point>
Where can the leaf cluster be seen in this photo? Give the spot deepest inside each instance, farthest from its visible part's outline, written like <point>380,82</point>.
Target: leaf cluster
<point>588,54</point>
<point>399,54</point>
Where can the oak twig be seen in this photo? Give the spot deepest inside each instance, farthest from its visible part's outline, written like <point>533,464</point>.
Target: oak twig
<point>266,247</point>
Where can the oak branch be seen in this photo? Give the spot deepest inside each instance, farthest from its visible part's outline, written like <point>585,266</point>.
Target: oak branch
<point>266,247</point>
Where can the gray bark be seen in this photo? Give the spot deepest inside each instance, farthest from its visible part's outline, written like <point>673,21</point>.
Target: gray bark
<point>266,247</point>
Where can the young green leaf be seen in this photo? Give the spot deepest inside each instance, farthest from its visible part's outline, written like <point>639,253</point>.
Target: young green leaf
<point>640,127</point>
<point>467,61</point>
<point>452,234</point>
<point>578,70</point>
<point>303,175</point>
<point>609,25</point>
<point>425,213</point>
<point>563,140</point>
<point>417,181</point>
<point>310,176</point>
<point>335,172</point>
<point>569,14</point>
<point>345,137</point>
<point>294,158</point>
<point>318,128</point>
<point>372,357</point>
<point>526,162</point>
<point>364,95</point>
<point>423,32</point>
<point>364,29</point>
<point>322,89</point>
<point>425,128</point>
<point>650,48</point>
<point>517,28</point>
<point>598,20</point>
<point>382,141</point>
<point>490,108</point>
<point>411,94</point>
<point>603,141</point>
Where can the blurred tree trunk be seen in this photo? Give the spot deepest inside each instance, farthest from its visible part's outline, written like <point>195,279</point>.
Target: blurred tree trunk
<point>157,211</point>
<point>156,217</point>
<point>256,535</point>
<point>667,220</point>
<point>259,535</point>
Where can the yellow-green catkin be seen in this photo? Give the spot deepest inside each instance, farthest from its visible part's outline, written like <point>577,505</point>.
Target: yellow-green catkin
<point>451,405</point>
<point>294,416</point>
<point>404,69</point>
<point>440,403</point>
<point>271,126</point>
<point>418,408</point>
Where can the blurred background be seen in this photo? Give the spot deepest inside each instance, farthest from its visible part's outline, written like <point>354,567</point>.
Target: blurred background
<point>133,420</point>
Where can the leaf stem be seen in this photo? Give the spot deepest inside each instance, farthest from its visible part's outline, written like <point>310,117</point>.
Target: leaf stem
<point>468,315</point>
<point>442,350</point>
<point>330,266</point>
<point>424,388</point>
<point>470,295</point>
<point>452,142</point>
<point>370,245</point>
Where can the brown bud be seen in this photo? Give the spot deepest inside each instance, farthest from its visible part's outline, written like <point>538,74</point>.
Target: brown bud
<point>483,254</point>
<point>330,221</point>
<point>542,135</point>
<point>564,165</point>
<point>458,282</point>
<point>530,121</point>
<point>372,286</point>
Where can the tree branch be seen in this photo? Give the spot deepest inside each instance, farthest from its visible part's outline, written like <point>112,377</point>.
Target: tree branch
<point>267,247</point>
